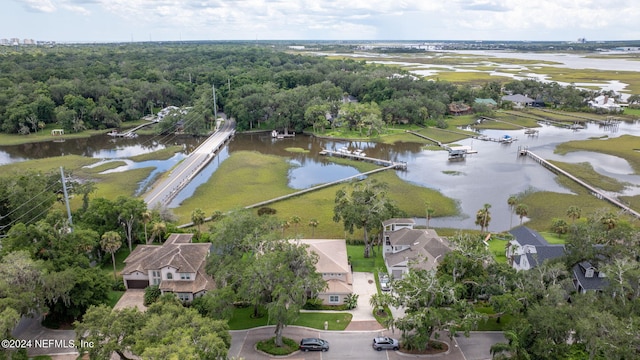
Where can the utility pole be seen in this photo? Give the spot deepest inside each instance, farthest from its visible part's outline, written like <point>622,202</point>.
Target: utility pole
<point>215,106</point>
<point>66,196</point>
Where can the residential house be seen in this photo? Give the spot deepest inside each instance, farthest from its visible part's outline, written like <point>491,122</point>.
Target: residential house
<point>457,108</point>
<point>491,104</point>
<point>177,266</point>
<point>333,265</point>
<point>528,249</point>
<point>406,247</point>
<point>519,101</point>
<point>586,277</point>
<point>605,103</point>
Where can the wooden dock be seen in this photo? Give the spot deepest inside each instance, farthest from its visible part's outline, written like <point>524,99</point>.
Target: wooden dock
<point>381,162</point>
<point>129,133</point>
<point>596,192</point>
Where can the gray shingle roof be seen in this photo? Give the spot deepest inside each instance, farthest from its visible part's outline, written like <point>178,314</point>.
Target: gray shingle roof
<point>526,236</point>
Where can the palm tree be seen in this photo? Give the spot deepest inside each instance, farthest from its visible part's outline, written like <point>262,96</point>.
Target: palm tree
<point>295,220</point>
<point>197,217</point>
<point>511,201</point>
<point>314,224</point>
<point>158,229</point>
<point>522,211</point>
<point>430,211</point>
<point>284,225</point>
<point>483,217</point>
<point>111,242</point>
<point>146,217</point>
<point>515,347</point>
<point>379,301</point>
<point>574,212</point>
<point>610,221</point>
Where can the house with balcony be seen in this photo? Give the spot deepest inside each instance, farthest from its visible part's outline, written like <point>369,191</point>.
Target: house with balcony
<point>333,265</point>
<point>406,247</point>
<point>177,266</point>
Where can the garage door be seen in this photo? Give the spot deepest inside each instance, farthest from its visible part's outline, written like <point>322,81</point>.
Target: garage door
<point>396,274</point>
<point>137,284</point>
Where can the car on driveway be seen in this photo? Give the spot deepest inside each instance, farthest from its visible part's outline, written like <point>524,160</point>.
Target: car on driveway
<point>384,282</point>
<point>315,344</point>
<point>385,343</point>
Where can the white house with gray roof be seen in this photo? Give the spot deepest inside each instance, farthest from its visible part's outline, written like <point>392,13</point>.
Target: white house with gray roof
<point>528,249</point>
<point>407,248</point>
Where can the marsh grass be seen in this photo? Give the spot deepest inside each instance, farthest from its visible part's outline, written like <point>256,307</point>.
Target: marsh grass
<point>445,136</point>
<point>246,178</point>
<point>296,150</point>
<point>585,172</point>
<point>544,206</point>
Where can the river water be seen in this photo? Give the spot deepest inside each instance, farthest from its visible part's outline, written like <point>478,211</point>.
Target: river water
<point>490,176</point>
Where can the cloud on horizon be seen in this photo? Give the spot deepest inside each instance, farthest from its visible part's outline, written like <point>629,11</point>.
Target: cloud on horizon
<point>358,19</point>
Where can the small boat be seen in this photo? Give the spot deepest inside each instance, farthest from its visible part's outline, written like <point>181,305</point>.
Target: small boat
<point>506,139</point>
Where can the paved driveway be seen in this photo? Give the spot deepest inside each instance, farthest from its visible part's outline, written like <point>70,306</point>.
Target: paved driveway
<point>478,345</point>
<point>131,298</point>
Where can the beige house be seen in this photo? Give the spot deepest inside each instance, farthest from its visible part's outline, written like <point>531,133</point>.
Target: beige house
<point>407,248</point>
<point>333,265</point>
<point>177,266</point>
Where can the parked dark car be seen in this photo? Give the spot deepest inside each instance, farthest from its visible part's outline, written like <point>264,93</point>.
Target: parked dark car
<point>314,344</point>
<point>385,343</point>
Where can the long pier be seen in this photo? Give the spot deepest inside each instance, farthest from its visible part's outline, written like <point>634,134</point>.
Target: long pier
<point>598,193</point>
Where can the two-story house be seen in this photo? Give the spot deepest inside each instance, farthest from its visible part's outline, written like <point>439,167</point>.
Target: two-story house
<point>529,249</point>
<point>177,266</point>
<point>587,277</point>
<point>333,265</point>
<point>406,247</point>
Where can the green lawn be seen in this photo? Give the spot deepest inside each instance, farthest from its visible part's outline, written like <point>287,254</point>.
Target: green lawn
<point>362,264</point>
<point>114,296</point>
<point>492,323</point>
<point>242,319</point>
<point>498,248</point>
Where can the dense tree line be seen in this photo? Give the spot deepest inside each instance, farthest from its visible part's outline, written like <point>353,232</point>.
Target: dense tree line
<point>102,86</point>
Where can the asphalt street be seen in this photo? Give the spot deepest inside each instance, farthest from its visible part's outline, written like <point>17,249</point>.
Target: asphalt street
<point>356,345</point>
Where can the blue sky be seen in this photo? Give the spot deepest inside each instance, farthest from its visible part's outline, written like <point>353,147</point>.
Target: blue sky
<point>170,20</point>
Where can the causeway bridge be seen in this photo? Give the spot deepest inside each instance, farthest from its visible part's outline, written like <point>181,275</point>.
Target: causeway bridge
<point>168,187</point>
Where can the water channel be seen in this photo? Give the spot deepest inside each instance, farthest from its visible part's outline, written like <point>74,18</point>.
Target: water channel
<point>490,176</point>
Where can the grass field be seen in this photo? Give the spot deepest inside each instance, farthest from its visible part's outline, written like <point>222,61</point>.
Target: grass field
<point>585,172</point>
<point>228,189</point>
